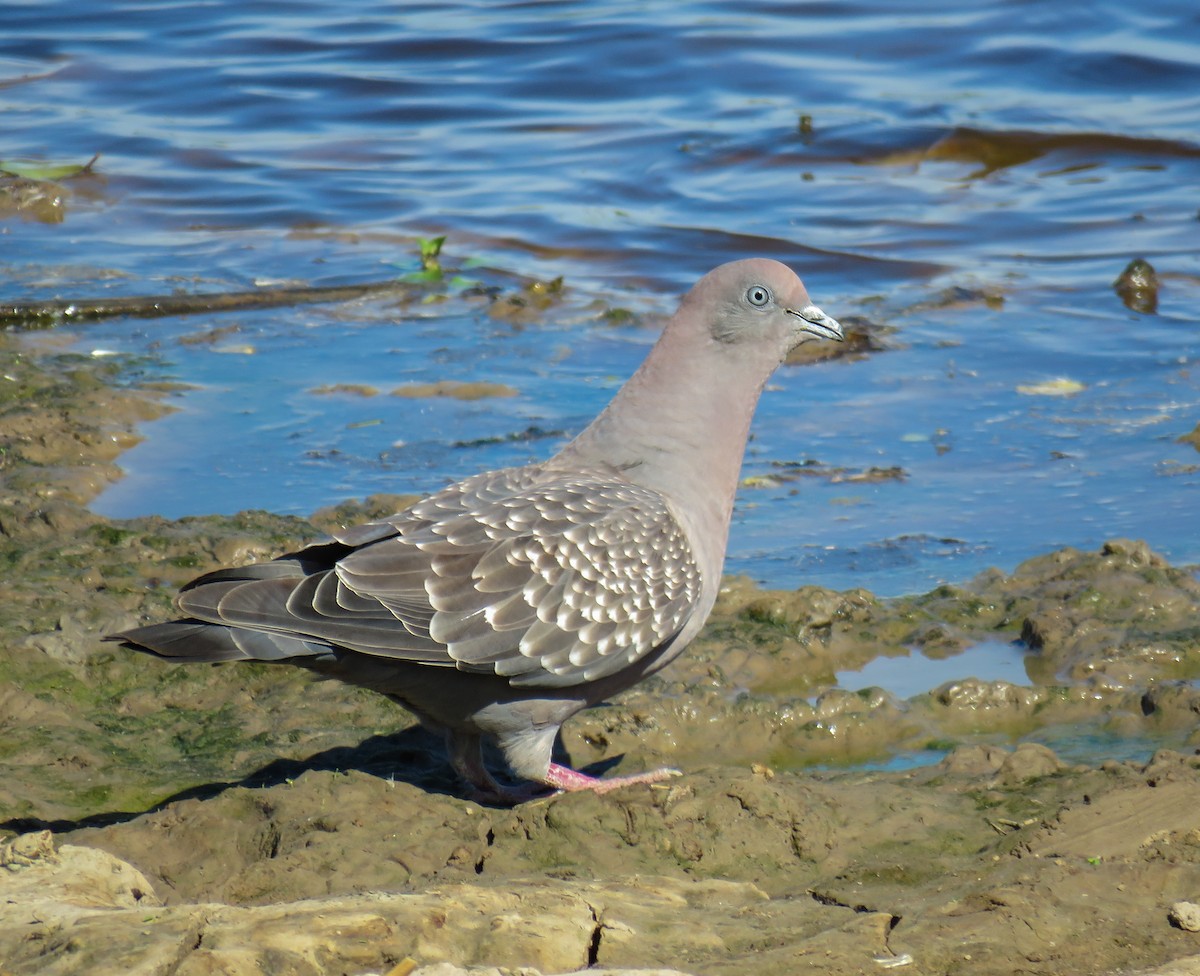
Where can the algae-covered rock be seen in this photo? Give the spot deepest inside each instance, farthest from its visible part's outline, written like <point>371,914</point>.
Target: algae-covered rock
<point>1137,286</point>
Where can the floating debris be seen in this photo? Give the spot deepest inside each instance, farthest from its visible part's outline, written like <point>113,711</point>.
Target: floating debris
<point>1193,438</point>
<point>1137,286</point>
<point>458,389</point>
<point>1060,387</point>
<point>351,389</point>
<point>785,471</point>
<point>532,433</point>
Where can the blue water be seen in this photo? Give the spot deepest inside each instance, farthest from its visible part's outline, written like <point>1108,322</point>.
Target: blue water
<point>888,152</point>
<point>914,673</point>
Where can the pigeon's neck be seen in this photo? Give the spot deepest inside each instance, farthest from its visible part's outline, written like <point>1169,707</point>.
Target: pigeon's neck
<point>679,426</point>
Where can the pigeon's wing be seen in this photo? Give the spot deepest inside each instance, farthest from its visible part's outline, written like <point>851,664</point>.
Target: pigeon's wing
<point>548,581</point>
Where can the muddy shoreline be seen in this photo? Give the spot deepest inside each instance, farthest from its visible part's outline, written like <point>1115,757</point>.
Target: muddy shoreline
<point>249,819</point>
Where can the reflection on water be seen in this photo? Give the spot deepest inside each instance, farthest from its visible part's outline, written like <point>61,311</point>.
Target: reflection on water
<point>973,179</point>
<point>916,673</point>
<point>1070,744</point>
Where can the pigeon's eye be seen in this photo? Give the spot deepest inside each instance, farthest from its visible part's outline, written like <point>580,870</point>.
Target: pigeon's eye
<point>758,296</point>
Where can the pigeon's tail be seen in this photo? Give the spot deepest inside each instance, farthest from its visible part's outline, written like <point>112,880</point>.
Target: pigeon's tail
<point>198,641</point>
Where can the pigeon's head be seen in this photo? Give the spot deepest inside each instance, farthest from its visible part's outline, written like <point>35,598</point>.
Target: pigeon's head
<point>757,303</point>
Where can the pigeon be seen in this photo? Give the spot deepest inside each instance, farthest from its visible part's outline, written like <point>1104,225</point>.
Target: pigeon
<point>499,606</point>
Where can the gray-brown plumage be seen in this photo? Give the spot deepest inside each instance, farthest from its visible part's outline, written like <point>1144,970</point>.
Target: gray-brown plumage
<point>503,604</point>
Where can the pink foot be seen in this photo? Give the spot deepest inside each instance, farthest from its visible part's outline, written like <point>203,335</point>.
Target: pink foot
<point>572,781</point>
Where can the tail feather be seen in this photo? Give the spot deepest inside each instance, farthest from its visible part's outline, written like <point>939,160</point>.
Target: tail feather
<point>282,568</point>
<point>316,558</point>
<point>198,641</point>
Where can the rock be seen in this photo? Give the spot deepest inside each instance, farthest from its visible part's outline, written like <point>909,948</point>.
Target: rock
<point>1188,966</point>
<point>1186,915</point>
<point>1124,823</point>
<point>449,969</point>
<point>1137,286</point>
<point>973,760</point>
<point>1029,761</point>
<point>78,910</point>
<point>43,883</point>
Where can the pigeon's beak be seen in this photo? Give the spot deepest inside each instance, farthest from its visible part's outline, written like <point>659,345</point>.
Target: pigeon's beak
<point>818,323</point>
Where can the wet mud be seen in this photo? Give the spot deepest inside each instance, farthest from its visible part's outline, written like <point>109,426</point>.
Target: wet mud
<point>247,819</point>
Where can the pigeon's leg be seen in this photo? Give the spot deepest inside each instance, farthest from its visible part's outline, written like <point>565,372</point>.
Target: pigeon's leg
<point>572,781</point>
<point>466,756</point>
<point>528,752</point>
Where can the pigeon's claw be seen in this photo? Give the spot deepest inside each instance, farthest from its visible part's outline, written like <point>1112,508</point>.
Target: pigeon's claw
<point>572,781</point>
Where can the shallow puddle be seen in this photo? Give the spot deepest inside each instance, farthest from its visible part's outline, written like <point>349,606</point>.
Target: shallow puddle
<point>917,673</point>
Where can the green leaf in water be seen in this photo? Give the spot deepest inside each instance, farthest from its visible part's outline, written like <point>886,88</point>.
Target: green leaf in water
<point>424,275</point>
<point>39,170</point>
<point>431,268</point>
<point>430,247</point>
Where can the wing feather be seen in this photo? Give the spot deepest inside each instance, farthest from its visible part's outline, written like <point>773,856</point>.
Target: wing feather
<point>548,579</point>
